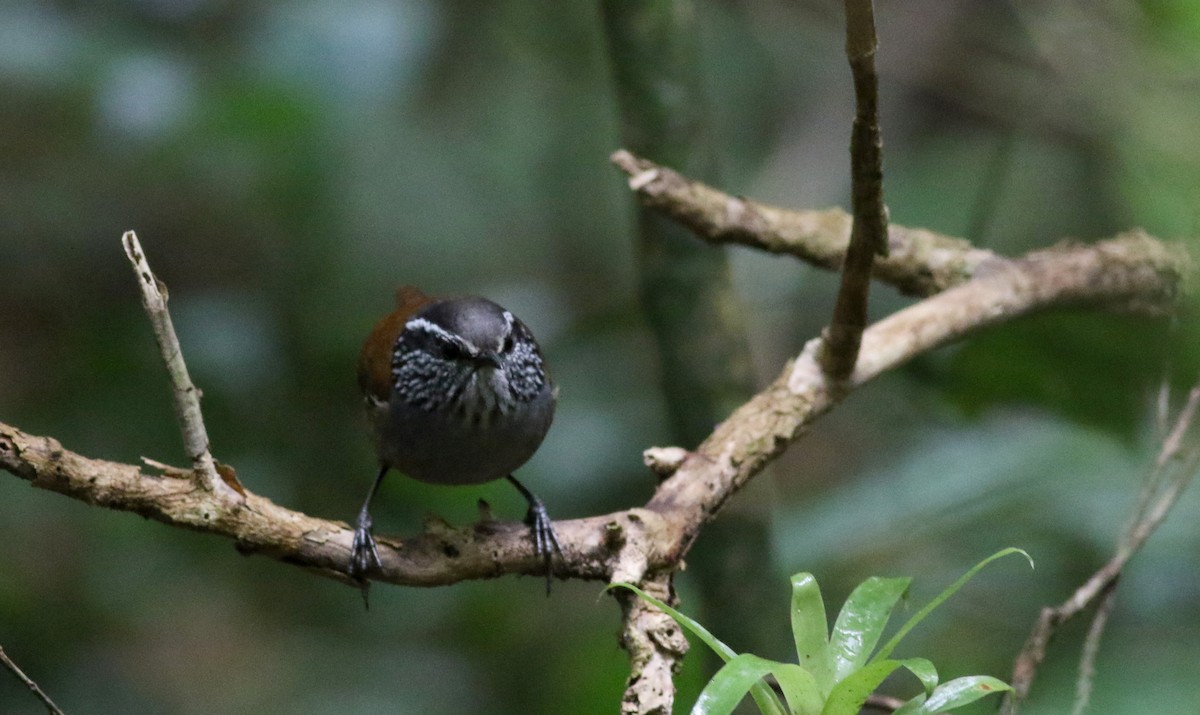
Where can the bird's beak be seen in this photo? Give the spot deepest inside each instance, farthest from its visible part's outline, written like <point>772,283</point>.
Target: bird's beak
<point>488,357</point>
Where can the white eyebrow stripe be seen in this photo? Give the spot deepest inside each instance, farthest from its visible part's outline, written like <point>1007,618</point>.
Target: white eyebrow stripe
<point>430,327</point>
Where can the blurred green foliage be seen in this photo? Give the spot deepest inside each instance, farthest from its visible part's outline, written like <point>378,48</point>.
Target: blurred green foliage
<point>288,164</point>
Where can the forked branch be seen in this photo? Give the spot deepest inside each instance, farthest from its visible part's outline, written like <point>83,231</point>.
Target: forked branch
<point>1173,469</point>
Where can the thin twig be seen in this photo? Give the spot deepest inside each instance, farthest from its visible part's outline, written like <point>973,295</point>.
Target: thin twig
<point>33,687</point>
<point>186,395</point>
<point>868,237</point>
<point>1091,649</point>
<point>1174,440</point>
<point>1173,470</point>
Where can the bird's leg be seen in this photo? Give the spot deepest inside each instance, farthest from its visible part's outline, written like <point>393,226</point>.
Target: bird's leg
<point>545,539</point>
<point>364,555</point>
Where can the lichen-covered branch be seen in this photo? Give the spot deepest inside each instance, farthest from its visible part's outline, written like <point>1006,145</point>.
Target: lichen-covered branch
<point>656,647</point>
<point>1131,272</point>
<point>919,262</point>
<point>594,548</point>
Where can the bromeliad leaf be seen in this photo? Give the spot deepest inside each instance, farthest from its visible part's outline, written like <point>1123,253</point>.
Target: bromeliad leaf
<point>849,695</point>
<point>953,695</point>
<point>953,588</point>
<point>861,622</point>
<point>737,677</point>
<point>810,630</point>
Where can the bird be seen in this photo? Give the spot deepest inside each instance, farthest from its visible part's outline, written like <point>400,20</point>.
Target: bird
<point>456,392</point>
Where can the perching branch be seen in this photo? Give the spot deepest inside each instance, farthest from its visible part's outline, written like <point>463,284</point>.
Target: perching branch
<point>868,236</point>
<point>1173,470</point>
<point>442,555</point>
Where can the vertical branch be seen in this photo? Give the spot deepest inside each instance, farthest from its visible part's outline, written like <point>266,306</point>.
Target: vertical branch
<point>186,397</point>
<point>656,647</point>
<point>868,236</point>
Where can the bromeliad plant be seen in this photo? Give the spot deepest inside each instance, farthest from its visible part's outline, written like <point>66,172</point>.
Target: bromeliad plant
<point>835,672</point>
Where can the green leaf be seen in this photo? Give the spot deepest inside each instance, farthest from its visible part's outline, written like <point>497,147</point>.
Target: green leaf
<point>738,677</point>
<point>763,696</point>
<point>800,689</point>
<point>957,693</point>
<point>849,695</point>
<point>953,588</point>
<point>861,621</point>
<point>925,672</point>
<point>911,707</point>
<point>810,630</point>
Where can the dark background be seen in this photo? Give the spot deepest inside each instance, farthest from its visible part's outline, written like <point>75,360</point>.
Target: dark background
<point>288,164</point>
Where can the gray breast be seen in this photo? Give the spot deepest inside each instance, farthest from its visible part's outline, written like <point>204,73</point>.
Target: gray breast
<point>441,447</point>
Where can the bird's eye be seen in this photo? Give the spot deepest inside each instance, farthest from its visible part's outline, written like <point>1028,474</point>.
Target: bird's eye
<point>451,350</point>
<point>508,344</point>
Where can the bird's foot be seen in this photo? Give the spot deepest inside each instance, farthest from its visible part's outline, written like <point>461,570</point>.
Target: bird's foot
<point>364,555</point>
<point>545,538</point>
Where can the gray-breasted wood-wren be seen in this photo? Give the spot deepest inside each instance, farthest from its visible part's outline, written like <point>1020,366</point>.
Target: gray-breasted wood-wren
<point>456,392</point>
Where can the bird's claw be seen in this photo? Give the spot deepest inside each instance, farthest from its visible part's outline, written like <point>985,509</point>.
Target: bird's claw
<point>364,555</point>
<point>545,538</point>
